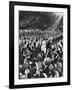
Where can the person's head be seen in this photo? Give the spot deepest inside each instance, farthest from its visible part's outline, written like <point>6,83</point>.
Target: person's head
<point>51,67</point>
<point>53,46</point>
<point>39,55</point>
<point>20,66</point>
<point>59,64</point>
<point>47,61</point>
<point>27,71</point>
<point>43,42</point>
<point>30,62</point>
<point>38,72</point>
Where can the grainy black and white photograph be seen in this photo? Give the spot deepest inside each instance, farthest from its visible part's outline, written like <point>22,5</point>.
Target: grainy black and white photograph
<point>40,44</point>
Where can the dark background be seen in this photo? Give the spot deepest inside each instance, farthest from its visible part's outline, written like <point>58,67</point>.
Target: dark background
<point>39,20</point>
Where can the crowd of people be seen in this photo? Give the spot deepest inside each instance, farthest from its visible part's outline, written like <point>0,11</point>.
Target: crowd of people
<point>40,57</point>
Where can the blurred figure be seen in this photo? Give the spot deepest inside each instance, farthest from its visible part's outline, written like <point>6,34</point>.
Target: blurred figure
<point>43,46</point>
